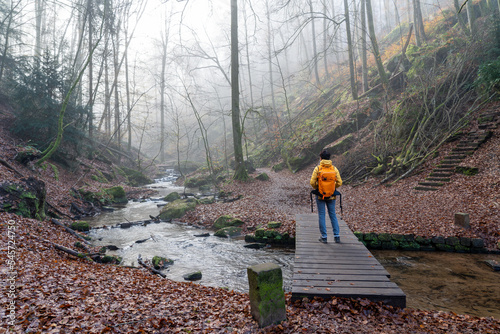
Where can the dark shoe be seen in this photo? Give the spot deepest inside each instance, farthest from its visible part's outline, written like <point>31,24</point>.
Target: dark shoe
<point>337,240</point>
<point>322,240</point>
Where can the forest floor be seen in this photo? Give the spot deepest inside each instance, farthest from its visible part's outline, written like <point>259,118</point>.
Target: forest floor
<point>51,291</point>
<point>370,207</point>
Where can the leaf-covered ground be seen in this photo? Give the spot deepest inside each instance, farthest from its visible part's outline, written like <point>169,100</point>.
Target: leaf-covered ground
<point>370,207</point>
<point>58,293</point>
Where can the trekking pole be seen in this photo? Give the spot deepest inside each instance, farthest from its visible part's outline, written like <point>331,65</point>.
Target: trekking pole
<point>311,196</point>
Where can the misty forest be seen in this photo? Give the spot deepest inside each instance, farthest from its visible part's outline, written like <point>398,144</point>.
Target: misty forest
<point>151,152</point>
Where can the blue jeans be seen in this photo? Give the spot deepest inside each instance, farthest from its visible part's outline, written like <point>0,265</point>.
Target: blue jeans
<point>333,217</point>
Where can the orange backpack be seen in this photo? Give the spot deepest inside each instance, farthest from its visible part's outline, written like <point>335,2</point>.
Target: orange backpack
<point>327,178</point>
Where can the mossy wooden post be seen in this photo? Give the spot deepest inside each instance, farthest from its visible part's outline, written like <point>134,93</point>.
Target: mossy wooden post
<point>267,299</point>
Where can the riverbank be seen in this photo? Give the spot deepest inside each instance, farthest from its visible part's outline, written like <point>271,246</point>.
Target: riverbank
<point>369,207</point>
<point>57,293</point>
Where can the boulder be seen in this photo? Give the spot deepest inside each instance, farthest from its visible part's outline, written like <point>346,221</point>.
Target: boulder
<point>177,209</point>
<point>226,221</point>
<point>161,262</point>
<point>226,232</point>
<point>117,195</point>
<point>194,276</point>
<point>80,226</point>
<point>273,224</point>
<point>262,177</point>
<point>172,197</point>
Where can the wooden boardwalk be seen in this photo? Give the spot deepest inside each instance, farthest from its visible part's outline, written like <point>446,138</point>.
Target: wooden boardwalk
<point>331,270</point>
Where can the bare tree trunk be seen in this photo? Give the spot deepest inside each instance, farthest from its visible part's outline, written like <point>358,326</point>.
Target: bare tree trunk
<point>127,90</point>
<point>364,61</point>
<point>354,88</point>
<point>418,23</point>
<point>162,96</point>
<point>460,18</point>
<point>325,40</point>
<point>91,80</point>
<point>116,50</point>
<point>315,49</point>
<point>39,11</point>
<point>247,51</point>
<point>269,54</point>
<point>240,170</point>
<point>470,16</point>
<point>7,34</point>
<point>373,38</point>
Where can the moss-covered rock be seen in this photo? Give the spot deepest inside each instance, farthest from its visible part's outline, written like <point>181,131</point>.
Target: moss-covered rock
<point>197,181</point>
<point>160,262</point>
<point>226,232</point>
<point>81,226</point>
<point>262,177</point>
<point>194,276</point>
<point>26,198</point>
<point>226,221</point>
<point>135,178</point>
<point>207,200</point>
<point>274,224</point>
<point>370,236</point>
<point>469,171</point>
<point>111,259</point>
<point>26,154</point>
<point>384,237</point>
<point>423,240</point>
<point>172,197</point>
<point>391,244</point>
<point>117,195</point>
<point>177,208</point>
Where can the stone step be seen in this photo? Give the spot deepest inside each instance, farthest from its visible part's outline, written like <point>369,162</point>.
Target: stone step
<point>491,113</point>
<point>451,161</point>
<point>455,157</point>
<point>468,144</point>
<point>438,179</point>
<point>431,184</point>
<point>422,188</point>
<point>452,166</point>
<point>443,170</point>
<point>485,119</point>
<point>440,174</point>
<point>470,152</point>
<point>488,126</point>
<point>464,149</point>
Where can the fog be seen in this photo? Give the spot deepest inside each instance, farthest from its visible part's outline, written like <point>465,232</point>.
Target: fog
<point>171,60</point>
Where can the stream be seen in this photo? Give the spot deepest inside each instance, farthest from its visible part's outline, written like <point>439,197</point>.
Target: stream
<point>222,262</point>
<point>461,283</point>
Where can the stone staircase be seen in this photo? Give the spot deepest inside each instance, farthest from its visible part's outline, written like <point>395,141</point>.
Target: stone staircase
<point>440,175</point>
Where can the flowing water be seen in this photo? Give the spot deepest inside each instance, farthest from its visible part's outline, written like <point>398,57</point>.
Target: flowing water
<point>461,283</point>
<point>222,262</point>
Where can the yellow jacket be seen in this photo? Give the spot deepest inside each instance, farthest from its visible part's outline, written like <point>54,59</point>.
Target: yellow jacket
<point>314,176</point>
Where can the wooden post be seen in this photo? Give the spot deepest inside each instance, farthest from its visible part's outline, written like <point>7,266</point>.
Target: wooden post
<point>462,220</point>
<point>267,299</point>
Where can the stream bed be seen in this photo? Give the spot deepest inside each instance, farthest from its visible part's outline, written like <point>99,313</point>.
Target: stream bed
<point>222,262</point>
<point>461,283</point>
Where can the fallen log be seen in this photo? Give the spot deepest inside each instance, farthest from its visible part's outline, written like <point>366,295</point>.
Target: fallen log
<point>153,270</point>
<point>6,164</point>
<point>70,231</point>
<point>72,252</point>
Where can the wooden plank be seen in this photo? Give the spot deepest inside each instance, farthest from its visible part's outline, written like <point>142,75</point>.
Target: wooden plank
<point>345,269</point>
<point>341,277</point>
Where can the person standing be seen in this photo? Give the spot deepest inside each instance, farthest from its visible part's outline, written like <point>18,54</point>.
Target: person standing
<point>323,200</point>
